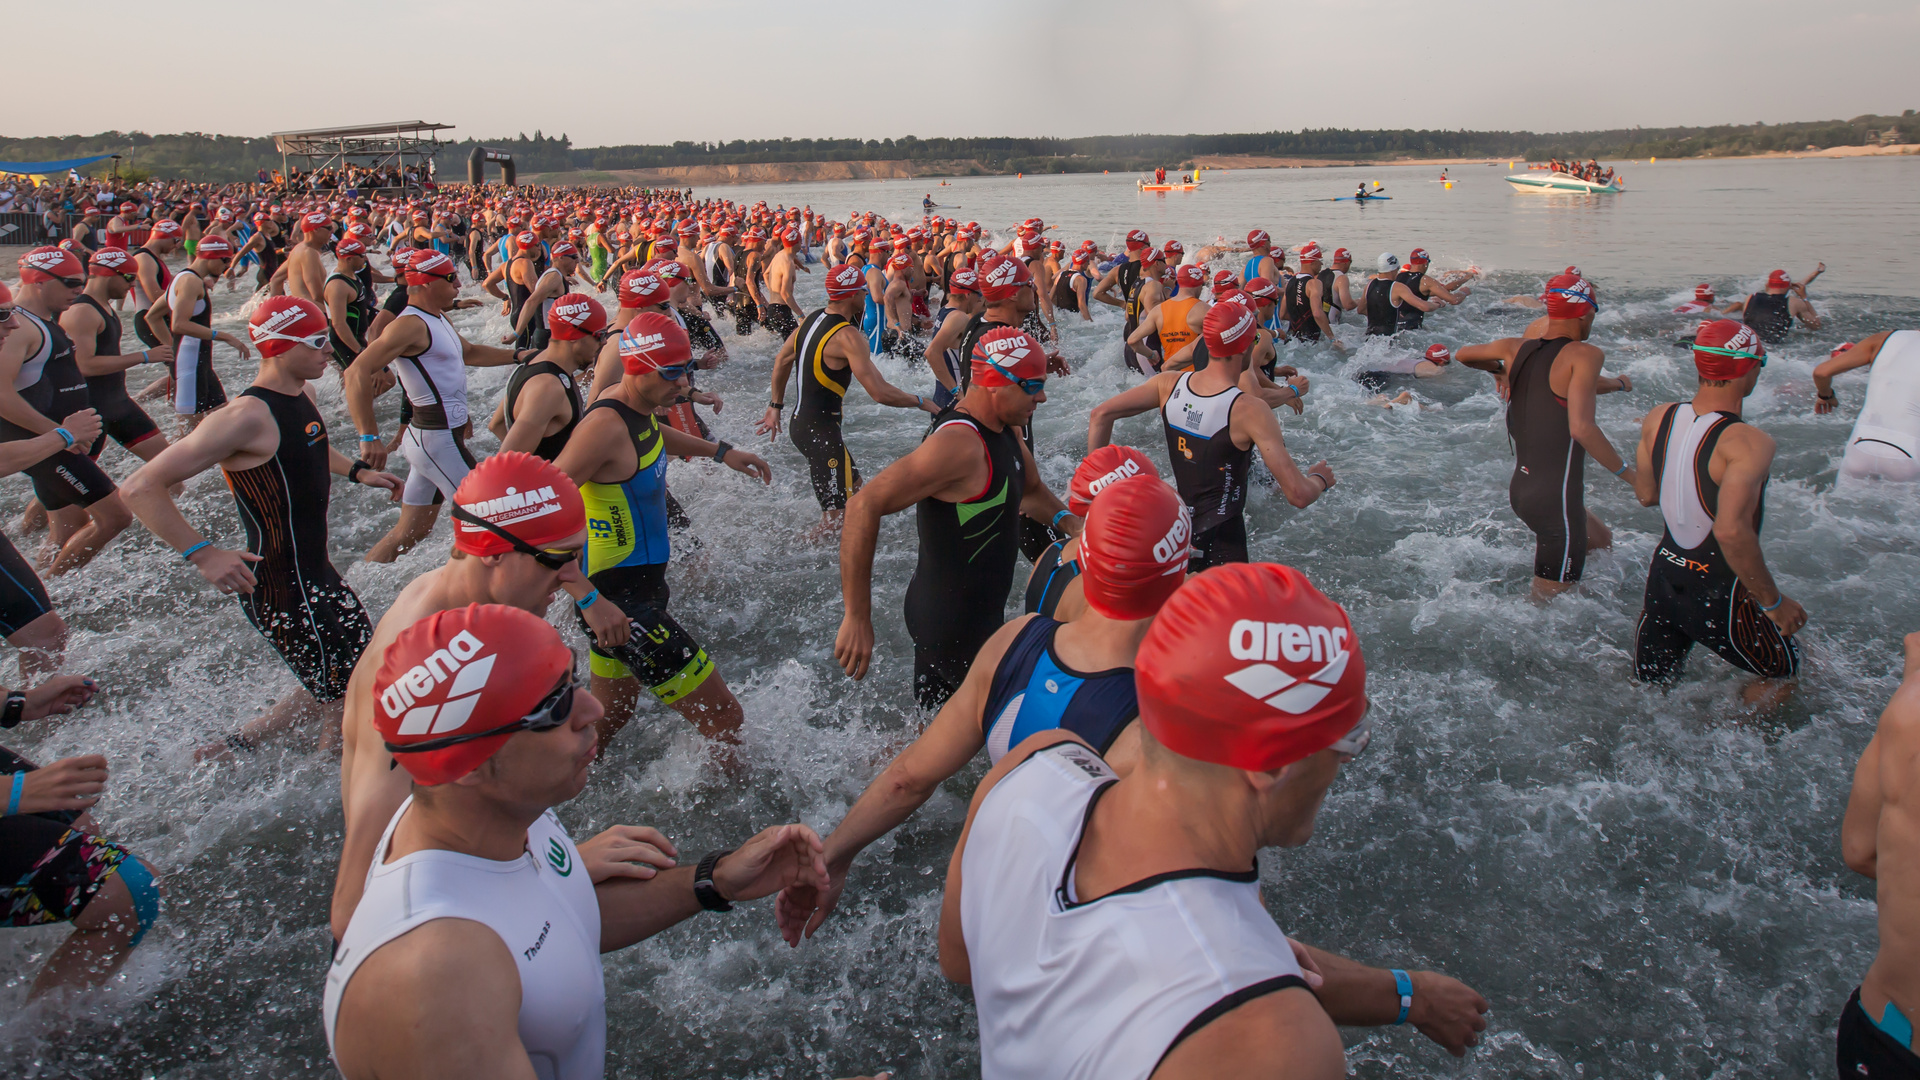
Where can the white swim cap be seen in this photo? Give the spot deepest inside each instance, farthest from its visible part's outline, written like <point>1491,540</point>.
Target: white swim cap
<point>1388,262</point>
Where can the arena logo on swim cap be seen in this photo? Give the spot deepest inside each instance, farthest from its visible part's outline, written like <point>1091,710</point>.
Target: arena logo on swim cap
<point>513,507</point>
<point>44,259</point>
<point>1013,345</point>
<point>422,679</point>
<point>577,314</point>
<point>1127,468</point>
<point>1253,640</point>
<point>1175,543</point>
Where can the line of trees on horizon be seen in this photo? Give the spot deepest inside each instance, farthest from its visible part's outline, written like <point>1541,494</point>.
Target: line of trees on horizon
<point>226,158</point>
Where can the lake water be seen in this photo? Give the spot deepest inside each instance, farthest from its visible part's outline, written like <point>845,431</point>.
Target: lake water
<point>1643,883</point>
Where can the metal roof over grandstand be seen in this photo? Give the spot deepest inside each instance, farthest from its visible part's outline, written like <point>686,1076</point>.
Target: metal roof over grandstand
<point>395,141</point>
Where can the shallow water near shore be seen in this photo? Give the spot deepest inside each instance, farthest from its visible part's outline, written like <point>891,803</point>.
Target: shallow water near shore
<point>1643,882</point>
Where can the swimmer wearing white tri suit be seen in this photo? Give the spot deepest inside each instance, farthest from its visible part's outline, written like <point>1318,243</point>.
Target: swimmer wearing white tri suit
<point>1886,437</point>
<point>432,360</point>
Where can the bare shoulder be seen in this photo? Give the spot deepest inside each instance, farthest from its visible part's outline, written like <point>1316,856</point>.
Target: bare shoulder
<point>1282,1034</point>
<point>445,984</point>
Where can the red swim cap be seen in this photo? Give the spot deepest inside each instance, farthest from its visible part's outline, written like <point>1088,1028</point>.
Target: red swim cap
<point>318,221</point>
<point>1438,354</point>
<point>166,227</point>
<point>213,247</point>
<point>1249,666</point>
<point>665,246</point>
<point>1569,296</point>
<point>1419,255</point>
<point>1259,238</point>
<point>790,237</point>
<point>1341,255</point>
<point>964,280</point>
<point>575,316</point>
<point>1137,239</point>
<point>461,672</point>
<point>426,265</point>
<point>688,228</point>
<point>1837,349</point>
<point>46,263</point>
<point>845,280</point>
<point>1310,251</point>
<point>1192,276</point>
<point>283,322</point>
<point>653,341</point>
<point>1231,328</point>
<point>349,246</point>
<point>1725,349</point>
<point>522,494</point>
<point>110,262</point>
<point>1151,256</point>
<point>1001,278</point>
<point>1006,353</point>
<point>1703,292</point>
<point>1134,550</point>
<point>1779,280</point>
<point>1262,290</point>
<point>527,241</point>
<point>642,288</point>
<point>564,250</point>
<point>1109,464</point>
<point>670,270</point>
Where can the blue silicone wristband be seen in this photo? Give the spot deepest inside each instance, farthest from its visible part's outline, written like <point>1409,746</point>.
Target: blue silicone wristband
<point>188,554</point>
<point>369,438</point>
<point>1622,470</point>
<point>1403,985</point>
<point>586,601</point>
<point>66,435</point>
<point>13,801</point>
<point>1775,605</point>
<point>1058,516</point>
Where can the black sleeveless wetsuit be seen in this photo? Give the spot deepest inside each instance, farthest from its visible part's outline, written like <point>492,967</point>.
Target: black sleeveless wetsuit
<point>1299,306</point>
<point>550,445</point>
<point>1411,317</point>
<point>1770,316</point>
<point>1209,471</point>
<point>56,391</point>
<point>816,418</point>
<point>1382,317</point>
<point>1548,490</point>
<point>312,618</point>
<point>958,595</point>
<point>359,318</point>
<point>120,416</point>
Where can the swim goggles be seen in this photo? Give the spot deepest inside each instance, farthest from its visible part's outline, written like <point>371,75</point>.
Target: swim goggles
<point>1031,386</point>
<point>1737,354</point>
<point>552,560</point>
<point>550,713</point>
<point>6,315</point>
<point>311,341</point>
<point>1353,742</point>
<point>1578,296</point>
<point>674,373</point>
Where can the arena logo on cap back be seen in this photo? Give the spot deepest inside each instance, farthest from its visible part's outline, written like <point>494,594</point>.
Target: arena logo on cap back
<point>1254,640</point>
<point>469,679</point>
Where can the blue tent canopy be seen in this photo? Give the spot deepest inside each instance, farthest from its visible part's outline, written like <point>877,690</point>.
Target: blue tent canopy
<point>42,168</point>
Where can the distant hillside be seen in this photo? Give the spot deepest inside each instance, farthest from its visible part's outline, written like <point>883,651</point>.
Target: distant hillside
<point>226,157</point>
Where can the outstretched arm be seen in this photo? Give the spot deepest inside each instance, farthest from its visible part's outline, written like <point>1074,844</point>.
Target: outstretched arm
<point>1859,356</point>
<point>1143,398</point>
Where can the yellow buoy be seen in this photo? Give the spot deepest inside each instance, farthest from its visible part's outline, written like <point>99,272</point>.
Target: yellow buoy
<point>1448,185</point>
<point>1509,166</point>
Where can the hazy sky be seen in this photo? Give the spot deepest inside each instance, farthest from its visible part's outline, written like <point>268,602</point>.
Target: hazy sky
<point>639,71</point>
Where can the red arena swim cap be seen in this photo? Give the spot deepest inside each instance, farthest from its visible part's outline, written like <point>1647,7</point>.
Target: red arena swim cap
<point>521,494</point>
<point>965,280</point>
<point>451,682</point>
<point>1419,255</point>
<point>642,288</point>
<point>527,241</point>
<point>653,341</point>
<point>318,221</point>
<point>1001,278</point>
<point>110,262</point>
<point>426,266</point>
<point>349,246</point>
<point>1703,292</point>
<point>1438,354</point>
<point>1005,354</point>
<point>1191,276</point>
<point>1134,550</point>
<point>845,280</point>
<point>1231,328</point>
<point>1779,280</point>
<point>285,321</point>
<point>575,316</point>
<point>1259,238</point>
<point>1569,296</point>
<point>166,227</point>
<point>213,247</point>
<point>1249,666</point>
<point>564,250</point>
<point>1310,251</point>
<point>1725,349</point>
<point>1151,256</point>
<point>1107,465</point>
<point>47,263</point>
<point>1137,239</point>
<point>1262,289</point>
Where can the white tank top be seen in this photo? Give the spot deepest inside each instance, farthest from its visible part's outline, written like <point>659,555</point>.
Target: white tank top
<point>187,348</point>
<point>1886,438</point>
<point>1079,991</point>
<point>1688,520</point>
<point>435,380</point>
<point>35,367</point>
<point>543,907</point>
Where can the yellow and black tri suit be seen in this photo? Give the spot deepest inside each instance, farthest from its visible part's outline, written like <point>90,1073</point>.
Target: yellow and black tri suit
<point>816,422</point>
<point>626,559</point>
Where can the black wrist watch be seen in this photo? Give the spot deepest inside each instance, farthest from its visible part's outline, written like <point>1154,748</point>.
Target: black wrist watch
<point>16,709</point>
<point>704,889</point>
<point>720,451</point>
<point>354,470</point>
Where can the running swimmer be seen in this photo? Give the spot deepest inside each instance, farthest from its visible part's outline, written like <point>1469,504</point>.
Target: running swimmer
<point>781,304</point>
<point>1880,840</point>
<point>40,380</point>
<point>1772,311</point>
<point>1886,437</point>
<point>538,527</point>
<point>196,388</point>
<point>1034,674</point>
<point>92,323</point>
<point>618,457</point>
<point>433,360</point>
<point>474,949</point>
<point>1306,299</point>
<point>829,361</point>
<point>1387,295</point>
<point>271,445</point>
<point>1175,323</point>
<point>1211,434</point>
<point>944,354</point>
<point>970,481</point>
<point>1181,973</point>
<point>151,323</point>
<point>541,406</point>
<point>1708,582</point>
<point>1449,291</point>
<point>1552,382</point>
<point>1053,587</point>
<point>530,324</point>
<point>306,269</point>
